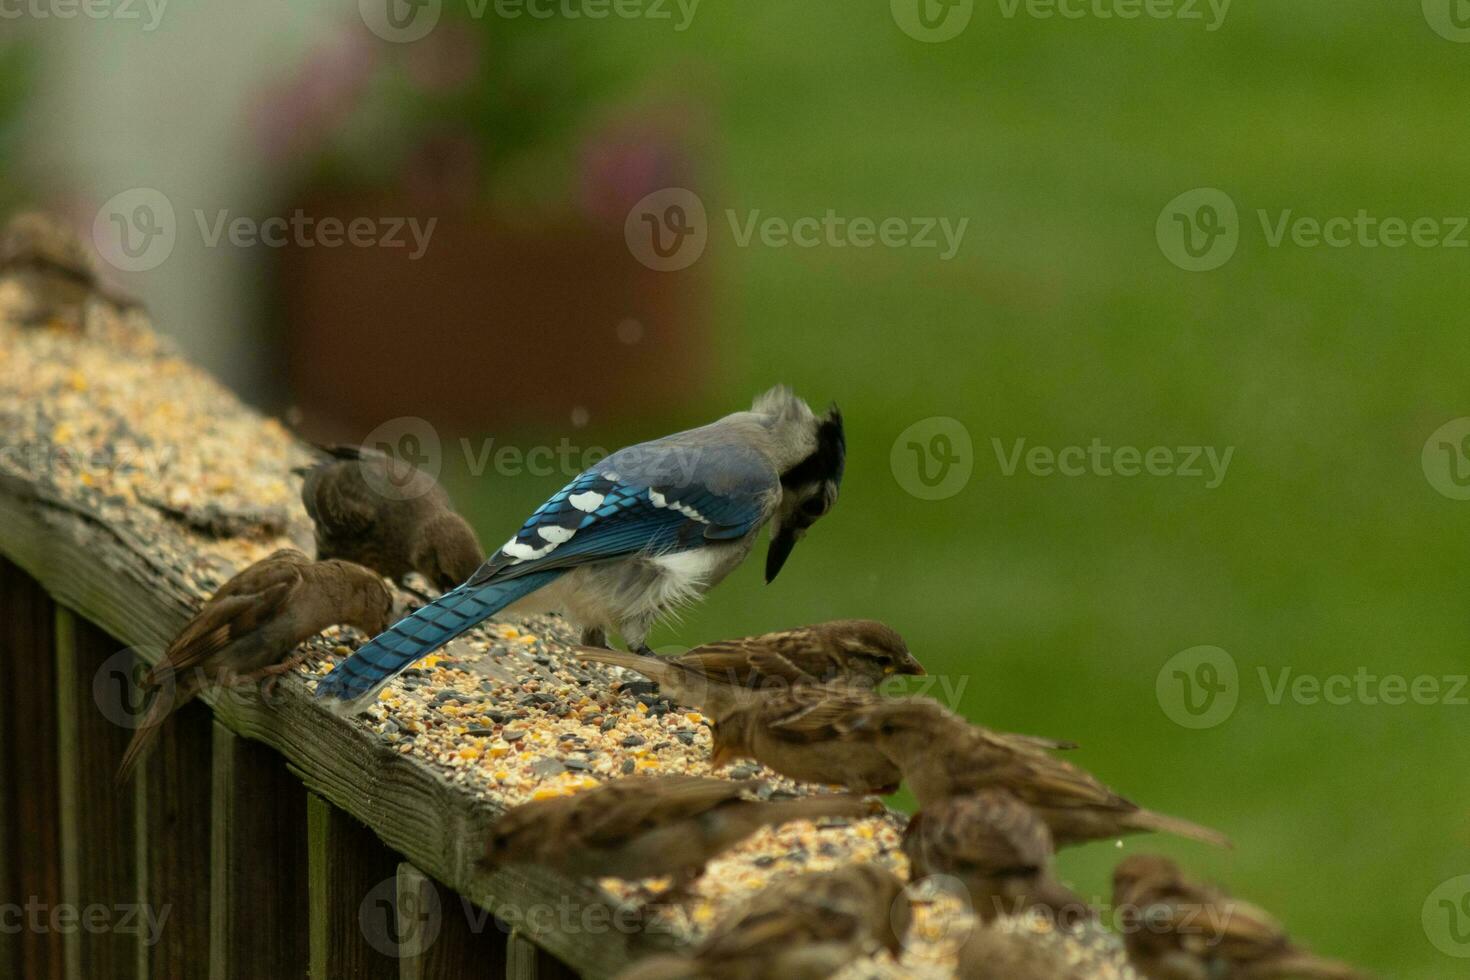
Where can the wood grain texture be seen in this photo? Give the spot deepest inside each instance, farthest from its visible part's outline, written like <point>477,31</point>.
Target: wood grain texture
<point>258,870</point>
<point>355,927</point>
<point>97,839</point>
<point>172,794</point>
<point>30,851</point>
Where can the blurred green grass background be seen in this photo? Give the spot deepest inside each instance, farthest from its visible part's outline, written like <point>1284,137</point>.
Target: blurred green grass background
<point>1057,600</point>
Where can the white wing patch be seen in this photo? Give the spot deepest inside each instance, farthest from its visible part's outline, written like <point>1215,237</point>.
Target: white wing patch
<point>518,551</point>
<point>659,500</point>
<point>586,502</point>
<point>555,533</point>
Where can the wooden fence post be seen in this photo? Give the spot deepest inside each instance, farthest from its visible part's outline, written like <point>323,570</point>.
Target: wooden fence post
<point>258,909</point>
<point>30,850</point>
<point>99,881</point>
<point>354,898</point>
<point>172,793</point>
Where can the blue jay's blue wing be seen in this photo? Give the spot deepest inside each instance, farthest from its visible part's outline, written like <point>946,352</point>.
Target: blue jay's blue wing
<point>634,502</point>
<point>605,514</point>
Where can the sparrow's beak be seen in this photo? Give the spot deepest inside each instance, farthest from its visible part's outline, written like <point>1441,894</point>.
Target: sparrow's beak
<point>779,551</point>
<point>912,666</point>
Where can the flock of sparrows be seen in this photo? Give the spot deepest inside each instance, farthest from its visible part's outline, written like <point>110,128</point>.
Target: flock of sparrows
<point>616,549</point>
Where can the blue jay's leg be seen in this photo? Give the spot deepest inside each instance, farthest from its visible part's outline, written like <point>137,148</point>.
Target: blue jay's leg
<point>420,634</point>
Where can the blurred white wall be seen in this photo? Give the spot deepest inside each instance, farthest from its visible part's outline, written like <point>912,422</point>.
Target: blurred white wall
<point>119,105</point>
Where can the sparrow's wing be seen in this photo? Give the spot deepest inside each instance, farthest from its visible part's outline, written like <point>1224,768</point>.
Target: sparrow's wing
<point>338,499</point>
<point>773,665</point>
<point>244,604</point>
<point>817,713</point>
<point>1239,931</point>
<point>723,663</point>
<point>1041,780</point>
<point>636,806</point>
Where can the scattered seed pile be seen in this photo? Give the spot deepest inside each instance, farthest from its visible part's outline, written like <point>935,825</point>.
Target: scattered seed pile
<point>109,423</point>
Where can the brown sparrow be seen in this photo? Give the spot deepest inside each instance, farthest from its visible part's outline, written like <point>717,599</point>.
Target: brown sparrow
<point>384,513</point>
<point>717,677</point>
<point>940,759</point>
<point>997,848</point>
<point>795,733</point>
<point>1177,929</point>
<point>805,927</point>
<point>254,620</point>
<point>647,826</point>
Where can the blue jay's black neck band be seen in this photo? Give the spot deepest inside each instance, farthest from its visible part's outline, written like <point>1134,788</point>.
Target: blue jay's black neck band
<point>827,461</point>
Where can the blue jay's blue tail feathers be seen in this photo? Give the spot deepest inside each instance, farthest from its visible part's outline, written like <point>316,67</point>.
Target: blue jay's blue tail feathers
<point>419,635</point>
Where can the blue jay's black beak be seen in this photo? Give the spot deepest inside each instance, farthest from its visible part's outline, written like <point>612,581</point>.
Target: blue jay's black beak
<point>779,551</point>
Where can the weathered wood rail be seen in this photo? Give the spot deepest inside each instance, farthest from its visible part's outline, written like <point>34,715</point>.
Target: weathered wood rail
<point>259,840</point>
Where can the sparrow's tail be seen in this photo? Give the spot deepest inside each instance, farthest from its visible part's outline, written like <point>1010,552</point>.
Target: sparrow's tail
<point>164,699</point>
<point>651,667</point>
<point>1149,820</point>
<point>1306,966</point>
<point>420,634</point>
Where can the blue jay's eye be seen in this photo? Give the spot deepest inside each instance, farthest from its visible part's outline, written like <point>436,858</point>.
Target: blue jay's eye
<point>815,507</point>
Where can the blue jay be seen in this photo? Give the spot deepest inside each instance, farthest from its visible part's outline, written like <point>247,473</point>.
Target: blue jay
<point>650,527</point>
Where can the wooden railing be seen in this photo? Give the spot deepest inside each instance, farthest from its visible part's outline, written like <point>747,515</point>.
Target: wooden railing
<point>259,839</point>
